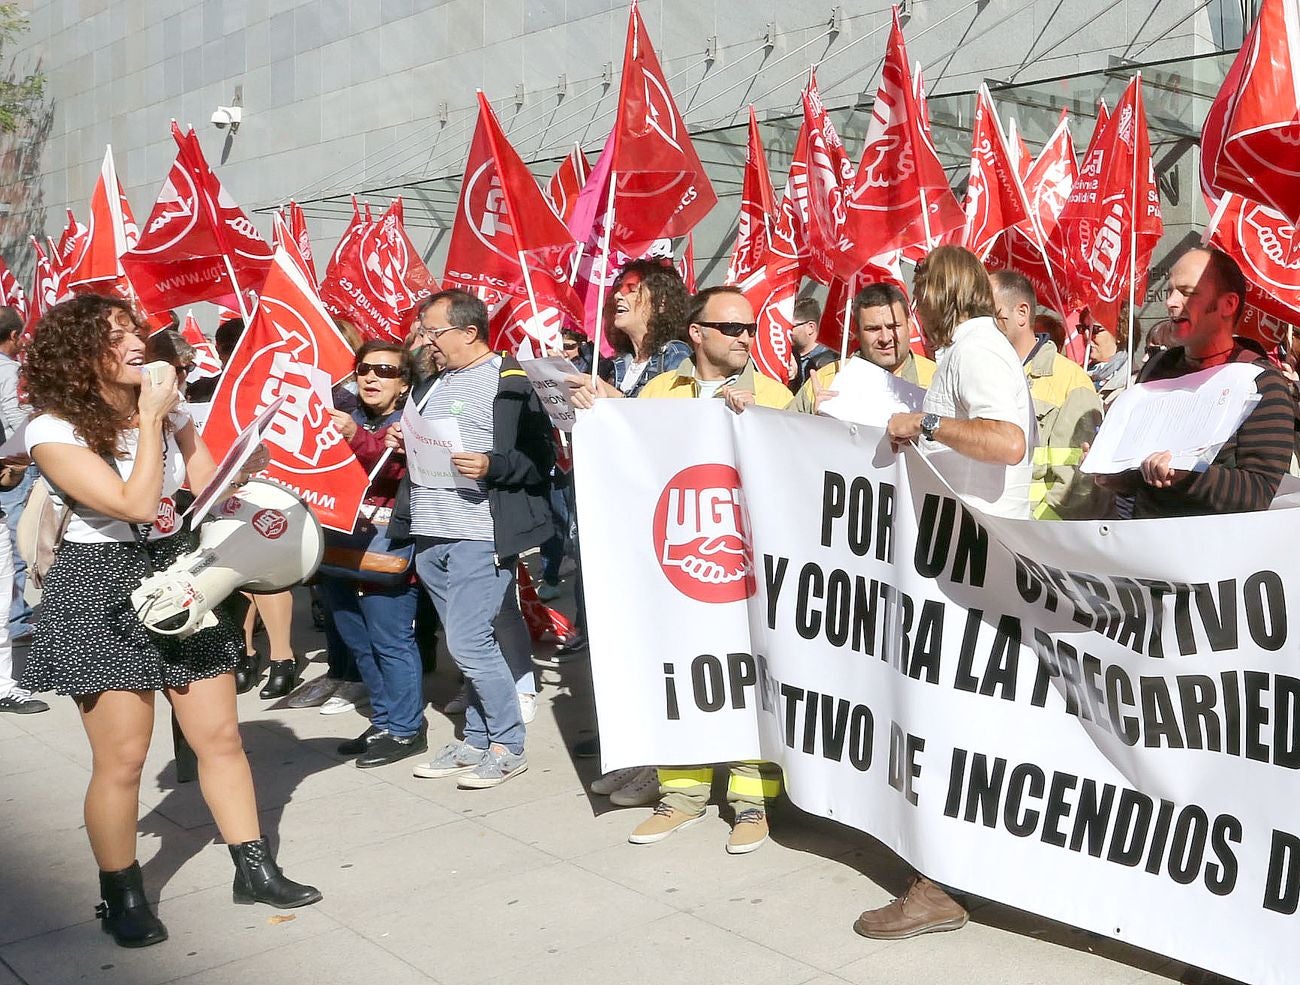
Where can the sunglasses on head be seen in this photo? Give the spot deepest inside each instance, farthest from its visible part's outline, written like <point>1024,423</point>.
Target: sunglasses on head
<point>732,329</point>
<point>382,370</point>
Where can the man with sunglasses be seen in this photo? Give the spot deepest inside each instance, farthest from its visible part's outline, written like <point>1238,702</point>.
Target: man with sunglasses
<point>721,329</point>
<point>468,540</point>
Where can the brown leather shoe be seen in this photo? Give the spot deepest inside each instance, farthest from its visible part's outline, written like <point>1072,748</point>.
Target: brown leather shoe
<point>923,909</point>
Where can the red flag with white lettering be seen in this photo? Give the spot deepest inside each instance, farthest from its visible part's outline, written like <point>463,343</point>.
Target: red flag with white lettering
<point>296,226</point>
<point>1250,143</point>
<point>660,187</point>
<point>196,238</point>
<point>833,249</point>
<point>563,189</point>
<point>1112,220</point>
<point>207,362</point>
<point>687,266</point>
<point>901,195</point>
<point>47,288</point>
<point>376,278</point>
<point>1021,159</point>
<point>772,298</point>
<point>995,200</point>
<point>757,205</point>
<point>503,223</point>
<point>291,332</point>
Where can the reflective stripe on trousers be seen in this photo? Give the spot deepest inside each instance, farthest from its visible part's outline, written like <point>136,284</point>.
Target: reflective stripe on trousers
<point>687,788</point>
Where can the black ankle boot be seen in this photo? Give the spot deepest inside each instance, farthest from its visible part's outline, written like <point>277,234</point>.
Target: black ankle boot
<point>280,679</point>
<point>259,880</point>
<point>247,672</point>
<point>125,912</point>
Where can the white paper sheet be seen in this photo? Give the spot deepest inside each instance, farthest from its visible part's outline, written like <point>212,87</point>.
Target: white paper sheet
<point>547,377</point>
<point>1191,417</point>
<point>429,447</point>
<point>248,441</point>
<point>870,395</point>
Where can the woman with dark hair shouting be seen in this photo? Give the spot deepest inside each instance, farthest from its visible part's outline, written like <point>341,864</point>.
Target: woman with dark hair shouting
<point>114,449</point>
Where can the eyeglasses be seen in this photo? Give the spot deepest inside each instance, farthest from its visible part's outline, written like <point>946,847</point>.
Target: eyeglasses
<point>732,329</point>
<point>433,333</point>
<point>571,345</point>
<point>184,371</point>
<point>382,370</point>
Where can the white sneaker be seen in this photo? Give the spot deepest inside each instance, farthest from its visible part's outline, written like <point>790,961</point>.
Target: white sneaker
<point>458,703</point>
<point>641,791</point>
<point>548,592</point>
<point>348,695</point>
<point>527,707</point>
<point>607,784</point>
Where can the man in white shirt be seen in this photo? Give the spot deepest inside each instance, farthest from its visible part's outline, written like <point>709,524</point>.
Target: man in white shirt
<point>977,421</point>
<point>977,426</point>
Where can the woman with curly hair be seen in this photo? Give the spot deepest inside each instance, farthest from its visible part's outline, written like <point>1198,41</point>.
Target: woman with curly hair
<point>646,315</point>
<point>114,449</point>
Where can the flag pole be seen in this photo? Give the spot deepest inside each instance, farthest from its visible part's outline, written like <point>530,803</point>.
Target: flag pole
<point>604,275</point>
<point>848,313</point>
<point>532,300</point>
<point>1132,243</point>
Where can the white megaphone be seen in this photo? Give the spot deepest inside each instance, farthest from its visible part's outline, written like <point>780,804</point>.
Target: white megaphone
<point>261,538</point>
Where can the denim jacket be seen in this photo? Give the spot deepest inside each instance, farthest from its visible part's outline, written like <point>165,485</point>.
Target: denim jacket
<point>667,358</point>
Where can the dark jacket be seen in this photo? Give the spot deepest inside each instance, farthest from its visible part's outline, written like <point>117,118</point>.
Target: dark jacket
<point>519,467</point>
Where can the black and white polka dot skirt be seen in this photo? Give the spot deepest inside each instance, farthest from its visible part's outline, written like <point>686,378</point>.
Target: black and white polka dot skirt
<point>89,640</point>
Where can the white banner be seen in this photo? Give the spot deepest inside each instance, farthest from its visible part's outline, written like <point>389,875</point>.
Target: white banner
<point>1094,721</point>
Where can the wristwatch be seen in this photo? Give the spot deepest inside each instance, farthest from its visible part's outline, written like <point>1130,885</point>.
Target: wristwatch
<point>929,425</point>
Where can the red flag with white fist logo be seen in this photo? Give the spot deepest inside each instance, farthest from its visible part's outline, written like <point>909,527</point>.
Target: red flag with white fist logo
<point>287,351</point>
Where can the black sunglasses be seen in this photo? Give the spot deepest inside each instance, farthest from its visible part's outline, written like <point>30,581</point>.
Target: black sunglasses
<point>382,370</point>
<point>733,329</point>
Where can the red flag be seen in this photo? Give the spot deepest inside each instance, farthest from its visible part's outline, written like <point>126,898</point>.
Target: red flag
<point>772,299</point>
<point>567,182</point>
<point>1263,242</point>
<point>47,288</point>
<point>832,246</point>
<point>503,223</point>
<point>295,229</point>
<point>11,293</point>
<point>207,362</point>
<point>72,246</point>
<point>901,195</point>
<point>194,237</point>
<point>660,187</point>
<point>541,619</point>
<point>757,205</point>
<point>1021,158</point>
<point>376,278</point>
<point>995,200</point>
<point>1051,177</point>
<point>1112,220</point>
<point>1250,143</point>
<point>787,252</point>
<point>290,332</point>
<point>112,231</point>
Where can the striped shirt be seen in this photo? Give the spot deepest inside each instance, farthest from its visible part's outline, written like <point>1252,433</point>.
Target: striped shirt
<point>1246,473</point>
<point>467,396</point>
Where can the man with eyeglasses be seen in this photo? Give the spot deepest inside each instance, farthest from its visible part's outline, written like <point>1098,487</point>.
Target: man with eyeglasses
<point>880,315</point>
<point>468,540</point>
<point>721,329</point>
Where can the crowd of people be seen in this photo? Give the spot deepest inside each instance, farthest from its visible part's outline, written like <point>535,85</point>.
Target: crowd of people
<point>116,452</point>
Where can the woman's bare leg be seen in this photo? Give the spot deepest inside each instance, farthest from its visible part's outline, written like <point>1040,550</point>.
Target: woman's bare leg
<point>119,725</point>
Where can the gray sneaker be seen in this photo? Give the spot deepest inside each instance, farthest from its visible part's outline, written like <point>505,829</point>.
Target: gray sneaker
<point>497,766</point>
<point>453,758</point>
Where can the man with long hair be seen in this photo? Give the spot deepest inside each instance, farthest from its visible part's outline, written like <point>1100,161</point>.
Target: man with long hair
<point>977,426</point>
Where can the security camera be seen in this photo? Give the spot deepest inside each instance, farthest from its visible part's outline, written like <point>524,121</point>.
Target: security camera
<point>227,116</point>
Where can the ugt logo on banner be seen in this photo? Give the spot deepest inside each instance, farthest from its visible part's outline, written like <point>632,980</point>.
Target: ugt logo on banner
<point>701,535</point>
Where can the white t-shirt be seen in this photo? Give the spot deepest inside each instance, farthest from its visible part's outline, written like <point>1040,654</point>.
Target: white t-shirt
<point>710,387</point>
<point>980,375</point>
<point>634,372</point>
<point>89,527</point>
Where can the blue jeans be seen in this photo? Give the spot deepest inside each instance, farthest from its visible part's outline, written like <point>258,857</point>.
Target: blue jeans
<point>553,550</point>
<point>516,644</point>
<point>378,630</point>
<point>11,501</point>
<point>468,589</point>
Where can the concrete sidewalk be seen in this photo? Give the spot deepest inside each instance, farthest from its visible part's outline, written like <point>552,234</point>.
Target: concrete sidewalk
<point>533,882</point>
